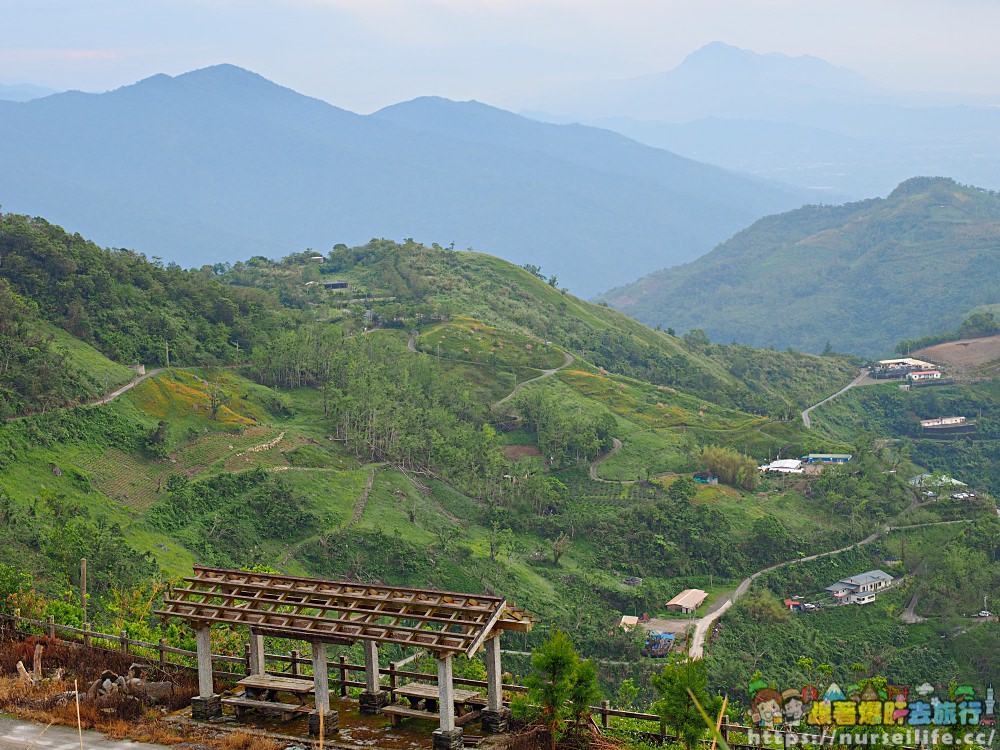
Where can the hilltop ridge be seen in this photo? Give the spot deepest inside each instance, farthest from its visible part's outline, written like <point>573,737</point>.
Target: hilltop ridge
<point>211,163</point>
<point>861,276</point>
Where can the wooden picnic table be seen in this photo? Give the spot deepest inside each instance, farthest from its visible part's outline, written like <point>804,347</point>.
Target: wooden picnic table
<point>260,692</point>
<point>467,703</point>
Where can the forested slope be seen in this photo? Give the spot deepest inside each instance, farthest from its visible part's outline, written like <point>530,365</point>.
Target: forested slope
<point>859,277</point>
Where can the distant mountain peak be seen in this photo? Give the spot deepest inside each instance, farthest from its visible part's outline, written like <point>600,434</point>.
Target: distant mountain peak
<point>720,57</point>
<point>224,74</point>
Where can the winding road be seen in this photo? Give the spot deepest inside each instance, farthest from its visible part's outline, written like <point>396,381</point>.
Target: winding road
<point>721,605</point>
<point>857,381</point>
<point>616,446</point>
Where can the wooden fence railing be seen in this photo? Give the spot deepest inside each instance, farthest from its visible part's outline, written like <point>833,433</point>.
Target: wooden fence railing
<point>160,653</point>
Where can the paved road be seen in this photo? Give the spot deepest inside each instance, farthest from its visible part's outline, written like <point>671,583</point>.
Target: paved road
<point>16,734</point>
<point>857,381</point>
<point>125,388</point>
<point>722,604</point>
<point>593,467</point>
<point>108,397</point>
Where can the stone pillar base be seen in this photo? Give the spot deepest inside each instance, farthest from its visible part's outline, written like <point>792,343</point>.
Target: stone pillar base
<point>448,740</point>
<point>331,723</point>
<point>496,722</point>
<point>206,709</point>
<point>371,702</point>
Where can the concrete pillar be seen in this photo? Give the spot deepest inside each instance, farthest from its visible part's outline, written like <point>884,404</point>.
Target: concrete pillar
<point>446,701</point>
<point>206,686</point>
<point>447,736</point>
<point>206,705</point>
<point>496,717</point>
<point>373,698</point>
<point>320,677</point>
<point>256,653</point>
<point>494,681</point>
<point>321,688</point>
<point>371,666</point>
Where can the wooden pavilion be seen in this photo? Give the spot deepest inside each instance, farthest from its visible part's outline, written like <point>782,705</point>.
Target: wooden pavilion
<point>324,612</point>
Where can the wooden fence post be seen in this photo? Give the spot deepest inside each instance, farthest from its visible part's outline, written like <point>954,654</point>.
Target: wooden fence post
<point>605,707</point>
<point>295,662</point>
<point>86,635</point>
<point>392,677</point>
<point>343,675</point>
<point>246,659</point>
<point>123,639</point>
<point>52,627</point>
<point>163,654</point>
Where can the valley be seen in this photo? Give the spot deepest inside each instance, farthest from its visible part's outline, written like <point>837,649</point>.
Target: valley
<point>449,420</point>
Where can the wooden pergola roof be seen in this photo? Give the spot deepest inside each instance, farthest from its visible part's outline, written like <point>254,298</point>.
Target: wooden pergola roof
<point>342,612</point>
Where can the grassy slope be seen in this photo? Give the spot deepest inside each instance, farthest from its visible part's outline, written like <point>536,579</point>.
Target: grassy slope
<point>405,285</point>
<point>125,484</point>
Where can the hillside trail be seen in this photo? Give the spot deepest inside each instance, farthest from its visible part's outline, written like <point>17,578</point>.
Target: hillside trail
<point>412,346</point>
<point>856,382</point>
<point>359,509</point>
<point>107,397</point>
<point>359,506</point>
<point>545,373</point>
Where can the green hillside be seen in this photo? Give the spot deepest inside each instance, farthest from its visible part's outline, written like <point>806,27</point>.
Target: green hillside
<point>859,277</point>
<point>409,286</point>
<point>447,421</point>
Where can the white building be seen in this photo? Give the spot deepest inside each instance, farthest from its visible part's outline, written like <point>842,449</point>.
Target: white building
<point>784,466</point>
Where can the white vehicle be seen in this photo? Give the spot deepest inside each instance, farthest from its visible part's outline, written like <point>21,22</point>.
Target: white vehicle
<point>984,613</point>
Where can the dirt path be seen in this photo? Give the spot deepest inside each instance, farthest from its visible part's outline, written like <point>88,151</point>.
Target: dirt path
<point>412,346</point>
<point>857,381</point>
<point>545,374</point>
<point>359,506</point>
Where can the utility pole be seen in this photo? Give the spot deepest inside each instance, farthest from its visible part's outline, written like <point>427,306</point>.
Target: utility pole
<point>237,352</point>
<point>167,344</point>
<point>83,586</point>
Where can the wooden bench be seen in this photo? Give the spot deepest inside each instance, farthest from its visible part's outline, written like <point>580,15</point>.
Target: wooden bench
<point>288,710</point>
<point>397,713</point>
<point>468,703</point>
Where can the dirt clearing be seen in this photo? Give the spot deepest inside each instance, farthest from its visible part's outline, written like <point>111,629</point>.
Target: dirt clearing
<point>966,359</point>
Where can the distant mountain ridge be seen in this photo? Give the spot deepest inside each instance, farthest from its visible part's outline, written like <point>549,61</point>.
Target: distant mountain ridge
<point>798,119</point>
<point>859,277</point>
<point>23,92</point>
<point>220,163</point>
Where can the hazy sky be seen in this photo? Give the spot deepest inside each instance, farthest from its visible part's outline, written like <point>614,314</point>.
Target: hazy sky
<point>363,54</point>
